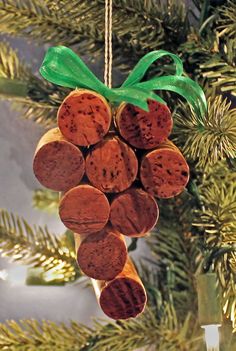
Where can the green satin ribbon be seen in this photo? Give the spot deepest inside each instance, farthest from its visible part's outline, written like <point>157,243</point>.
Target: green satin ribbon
<point>63,67</point>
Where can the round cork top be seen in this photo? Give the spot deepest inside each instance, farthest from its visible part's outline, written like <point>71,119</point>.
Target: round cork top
<point>111,165</point>
<point>84,209</point>
<point>164,172</point>
<point>102,255</point>
<point>84,117</point>
<point>58,164</point>
<point>142,129</point>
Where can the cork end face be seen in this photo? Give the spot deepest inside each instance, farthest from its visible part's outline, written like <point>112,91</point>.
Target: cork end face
<point>134,213</point>
<point>59,165</point>
<point>102,256</point>
<point>144,130</point>
<point>164,173</point>
<point>84,209</point>
<point>84,117</point>
<point>111,165</point>
<point>123,298</point>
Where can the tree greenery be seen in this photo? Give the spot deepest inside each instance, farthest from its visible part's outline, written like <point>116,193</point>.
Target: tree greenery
<point>37,247</point>
<point>210,139</point>
<point>196,230</point>
<point>146,330</point>
<point>46,200</point>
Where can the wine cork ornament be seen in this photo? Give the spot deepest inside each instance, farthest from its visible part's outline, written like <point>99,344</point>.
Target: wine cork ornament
<point>111,165</point>
<point>58,164</point>
<point>164,171</point>
<point>84,209</point>
<point>144,129</point>
<point>84,117</point>
<point>134,212</point>
<point>101,255</point>
<point>123,297</point>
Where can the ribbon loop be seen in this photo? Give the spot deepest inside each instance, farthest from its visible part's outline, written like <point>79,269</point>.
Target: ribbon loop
<point>146,61</point>
<point>63,67</point>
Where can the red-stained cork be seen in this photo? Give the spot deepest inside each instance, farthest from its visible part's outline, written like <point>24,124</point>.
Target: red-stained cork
<point>84,117</point>
<point>58,164</point>
<point>102,255</point>
<point>134,212</point>
<point>84,209</point>
<point>164,171</point>
<point>111,165</point>
<point>141,129</point>
<point>123,297</point>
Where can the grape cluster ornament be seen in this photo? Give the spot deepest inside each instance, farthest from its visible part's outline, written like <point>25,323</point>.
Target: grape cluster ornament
<point>111,157</point>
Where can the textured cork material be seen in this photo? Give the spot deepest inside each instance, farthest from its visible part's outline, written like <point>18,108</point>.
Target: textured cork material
<point>102,255</point>
<point>141,129</point>
<point>164,171</point>
<point>84,209</point>
<point>84,117</point>
<point>111,165</point>
<point>58,164</point>
<point>134,212</point>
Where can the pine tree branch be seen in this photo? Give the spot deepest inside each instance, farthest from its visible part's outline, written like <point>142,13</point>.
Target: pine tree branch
<point>46,200</point>
<point>32,335</point>
<point>211,139</point>
<point>220,70</point>
<point>36,247</point>
<point>37,99</point>
<point>217,222</point>
<point>175,252</point>
<point>227,20</point>
<point>138,26</point>
<point>129,335</point>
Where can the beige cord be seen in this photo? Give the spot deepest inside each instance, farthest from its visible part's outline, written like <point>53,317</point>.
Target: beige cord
<point>108,44</point>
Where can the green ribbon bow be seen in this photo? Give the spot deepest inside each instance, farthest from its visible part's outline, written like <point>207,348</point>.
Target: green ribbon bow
<point>63,67</point>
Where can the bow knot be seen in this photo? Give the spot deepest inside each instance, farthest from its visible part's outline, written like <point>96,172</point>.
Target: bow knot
<point>63,67</point>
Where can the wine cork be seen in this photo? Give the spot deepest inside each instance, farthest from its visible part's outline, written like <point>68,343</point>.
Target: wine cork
<point>58,164</point>
<point>134,212</point>
<point>84,209</point>
<point>141,129</point>
<point>164,171</point>
<point>111,165</point>
<point>102,255</point>
<point>84,117</point>
<point>123,297</point>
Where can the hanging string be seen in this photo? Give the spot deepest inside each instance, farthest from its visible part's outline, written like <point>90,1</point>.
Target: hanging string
<point>108,44</point>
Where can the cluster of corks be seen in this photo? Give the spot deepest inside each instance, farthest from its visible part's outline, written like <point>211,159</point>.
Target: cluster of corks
<point>110,170</point>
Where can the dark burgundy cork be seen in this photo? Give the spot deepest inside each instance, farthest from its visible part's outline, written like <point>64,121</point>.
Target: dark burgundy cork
<point>123,297</point>
<point>134,212</point>
<point>102,255</point>
<point>58,164</point>
<point>111,165</point>
<point>164,171</point>
<point>84,209</point>
<point>141,129</point>
<point>84,117</point>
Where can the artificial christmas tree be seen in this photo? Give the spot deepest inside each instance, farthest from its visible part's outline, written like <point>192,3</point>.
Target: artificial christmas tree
<point>196,229</point>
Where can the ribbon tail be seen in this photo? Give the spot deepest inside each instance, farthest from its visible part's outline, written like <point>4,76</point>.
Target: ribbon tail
<point>183,86</point>
<point>146,61</point>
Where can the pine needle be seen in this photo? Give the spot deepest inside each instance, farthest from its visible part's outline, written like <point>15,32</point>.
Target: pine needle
<point>213,138</point>
<point>41,99</point>
<point>46,200</point>
<point>217,220</point>
<point>37,247</point>
<point>146,331</point>
<point>220,69</point>
<point>227,20</point>
<point>138,26</point>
